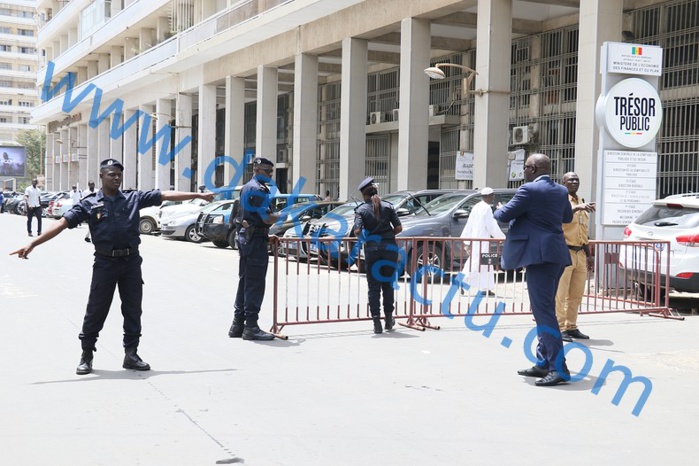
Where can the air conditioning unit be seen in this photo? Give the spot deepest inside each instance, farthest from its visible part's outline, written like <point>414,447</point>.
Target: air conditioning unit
<point>433,110</point>
<point>376,117</point>
<point>396,112</point>
<point>522,135</point>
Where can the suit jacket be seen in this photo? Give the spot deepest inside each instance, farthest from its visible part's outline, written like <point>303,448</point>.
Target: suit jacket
<point>536,214</point>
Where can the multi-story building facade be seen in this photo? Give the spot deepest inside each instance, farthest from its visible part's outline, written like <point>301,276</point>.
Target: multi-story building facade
<point>335,90</point>
<point>19,65</point>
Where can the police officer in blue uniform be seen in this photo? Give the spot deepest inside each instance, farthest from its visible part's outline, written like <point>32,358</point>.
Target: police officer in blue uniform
<point>376,224</point>
<point>255,218</point>
<point>113,217</point>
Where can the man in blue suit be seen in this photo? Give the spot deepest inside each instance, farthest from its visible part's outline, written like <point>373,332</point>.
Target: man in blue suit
<point>535,240</point>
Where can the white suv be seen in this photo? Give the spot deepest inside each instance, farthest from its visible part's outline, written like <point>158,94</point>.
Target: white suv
<point>674,219</point>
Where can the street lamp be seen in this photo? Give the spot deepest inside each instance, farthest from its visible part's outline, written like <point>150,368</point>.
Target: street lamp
<point>436,72</point>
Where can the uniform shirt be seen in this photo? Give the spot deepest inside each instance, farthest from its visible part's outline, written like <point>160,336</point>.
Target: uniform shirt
<point>255,200</point>
<point>576,231</point>
<point>33,196</point>
<point>383,226</point>
<point>113,220</point>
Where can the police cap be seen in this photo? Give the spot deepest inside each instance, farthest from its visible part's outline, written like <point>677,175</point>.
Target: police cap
<point>109,163</point>
<point>368,181</point>
<point>262,161</point>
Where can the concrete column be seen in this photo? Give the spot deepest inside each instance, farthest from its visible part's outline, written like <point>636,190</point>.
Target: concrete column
<point>103,62</point>
<point>64,42</point>
<point>353,115</point>
<point>163,27</point>
<point>72,36</point>
<point>93,161</point>
<point>116,149</point>
<point>103,141</point>
<point>206,144</point>
<point>413,124</point>
<point>235,128</point>
<point>130,47</point>
<point>163,108</point>
<point>208,8</point>
<point>600,21</point>
<point>130,155</point>
<point>145,161</point>
<point>73,164</point>
<point>82,156</point>
<point>116,8</point>
<point>116,55</point>
<point>48,161</point>
<point>305,122</point>
<point>92,69</point>
<point>183,160</point>
<point>64,167</point>
<point>492,108</point>
<point>266,135</point>
<point>56,164</point>
<point>82,74</point>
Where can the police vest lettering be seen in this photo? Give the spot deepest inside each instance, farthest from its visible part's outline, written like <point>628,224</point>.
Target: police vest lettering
<point>634,113</point>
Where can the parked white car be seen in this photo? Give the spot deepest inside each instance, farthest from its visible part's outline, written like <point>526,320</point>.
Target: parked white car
<point>150,218</point>
<point>674,219</point>
<point>186,207</point>
<point>59,206</point>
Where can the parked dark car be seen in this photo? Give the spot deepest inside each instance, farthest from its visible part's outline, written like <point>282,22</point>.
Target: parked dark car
<point>336,224</point>
<point>16,204</point>
<point>445,216</point>
<point>407,202</point>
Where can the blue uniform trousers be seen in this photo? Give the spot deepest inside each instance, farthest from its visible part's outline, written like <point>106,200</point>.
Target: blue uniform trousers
<point>542,284</point>
<point>107,273</point>
<point>252,273</point>
<point>380,267</point>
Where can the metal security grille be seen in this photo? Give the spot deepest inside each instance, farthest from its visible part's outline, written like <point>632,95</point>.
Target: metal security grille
<point>674,26</point>
<point>382,93</point>
<point>378,160</point>
<point>328,147</point>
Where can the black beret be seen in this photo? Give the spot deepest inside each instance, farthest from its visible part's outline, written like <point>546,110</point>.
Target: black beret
<point>262,161</point>
<point>368,181</point>
<point>109,163</point>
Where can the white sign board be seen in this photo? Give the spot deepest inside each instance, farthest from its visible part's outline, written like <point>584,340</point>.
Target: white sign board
<point>632,112</point>
<point>646,60</point>
<point>629,185</point>
<point>515,165</point>
<point>464,166</point>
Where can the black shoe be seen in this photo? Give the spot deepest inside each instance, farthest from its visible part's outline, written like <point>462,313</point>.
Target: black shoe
<point>576,333</point>
<point>85,366</point>
<point>389,322</point>
<point>133,361</point>
<point>377,326</point>
<point>551,379</point>
<point>534,371</point>
<point>236,330</point>
<point>256,333</point>
<point>30,234</point>
<point>565,336</point>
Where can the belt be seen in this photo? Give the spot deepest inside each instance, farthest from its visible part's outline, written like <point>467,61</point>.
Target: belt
<point>117,252</point>
<point>576,248</point>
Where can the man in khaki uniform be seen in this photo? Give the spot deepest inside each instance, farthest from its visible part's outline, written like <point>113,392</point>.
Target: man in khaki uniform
<point>572,284</point>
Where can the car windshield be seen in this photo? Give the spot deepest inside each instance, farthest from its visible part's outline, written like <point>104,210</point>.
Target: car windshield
<point>670,215</point>
<point>394,199</point>
<point>344,209</point>
<point>440,205</point>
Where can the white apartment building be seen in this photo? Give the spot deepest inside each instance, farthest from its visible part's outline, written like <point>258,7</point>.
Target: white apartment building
<point>335,90</point>
<point>19,65</point>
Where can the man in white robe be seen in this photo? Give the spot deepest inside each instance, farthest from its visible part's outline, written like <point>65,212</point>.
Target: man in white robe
<point>481,225</point>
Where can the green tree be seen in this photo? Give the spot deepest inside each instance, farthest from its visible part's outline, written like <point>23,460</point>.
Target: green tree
<point>35,142</point>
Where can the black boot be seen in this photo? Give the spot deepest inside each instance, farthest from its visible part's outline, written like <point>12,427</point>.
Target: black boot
<point>236,330</point>
<point>133,361</point>
<point>377,325</point>
<point>256,333</point>
<point>389,322</point>
<point>85,366</point>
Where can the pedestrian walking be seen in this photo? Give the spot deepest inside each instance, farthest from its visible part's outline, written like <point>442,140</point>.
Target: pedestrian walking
<point>535,241</point>
<point>113,217</point>
<point>32,197</point>
<point>255,217</point>
<point>572,284</point>
<point>481,224</point>
<point>376,224</point>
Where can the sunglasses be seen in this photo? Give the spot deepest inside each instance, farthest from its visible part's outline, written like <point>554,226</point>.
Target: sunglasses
<point>268,171</point>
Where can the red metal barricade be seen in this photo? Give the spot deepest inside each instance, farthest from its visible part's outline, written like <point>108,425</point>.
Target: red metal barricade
<point>322,280</point>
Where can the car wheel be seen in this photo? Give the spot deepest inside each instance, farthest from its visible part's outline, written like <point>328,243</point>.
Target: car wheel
<point>191,234</point>
<point>233,239</point>
<point>427,256</point>
<point>20,209</point>
<point>219,243</point>
<point>146,226</point>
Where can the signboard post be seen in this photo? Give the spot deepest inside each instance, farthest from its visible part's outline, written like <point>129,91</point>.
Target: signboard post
<point>629,114</point>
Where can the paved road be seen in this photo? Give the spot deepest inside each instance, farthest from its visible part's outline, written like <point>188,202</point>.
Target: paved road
<point>332,394</point>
